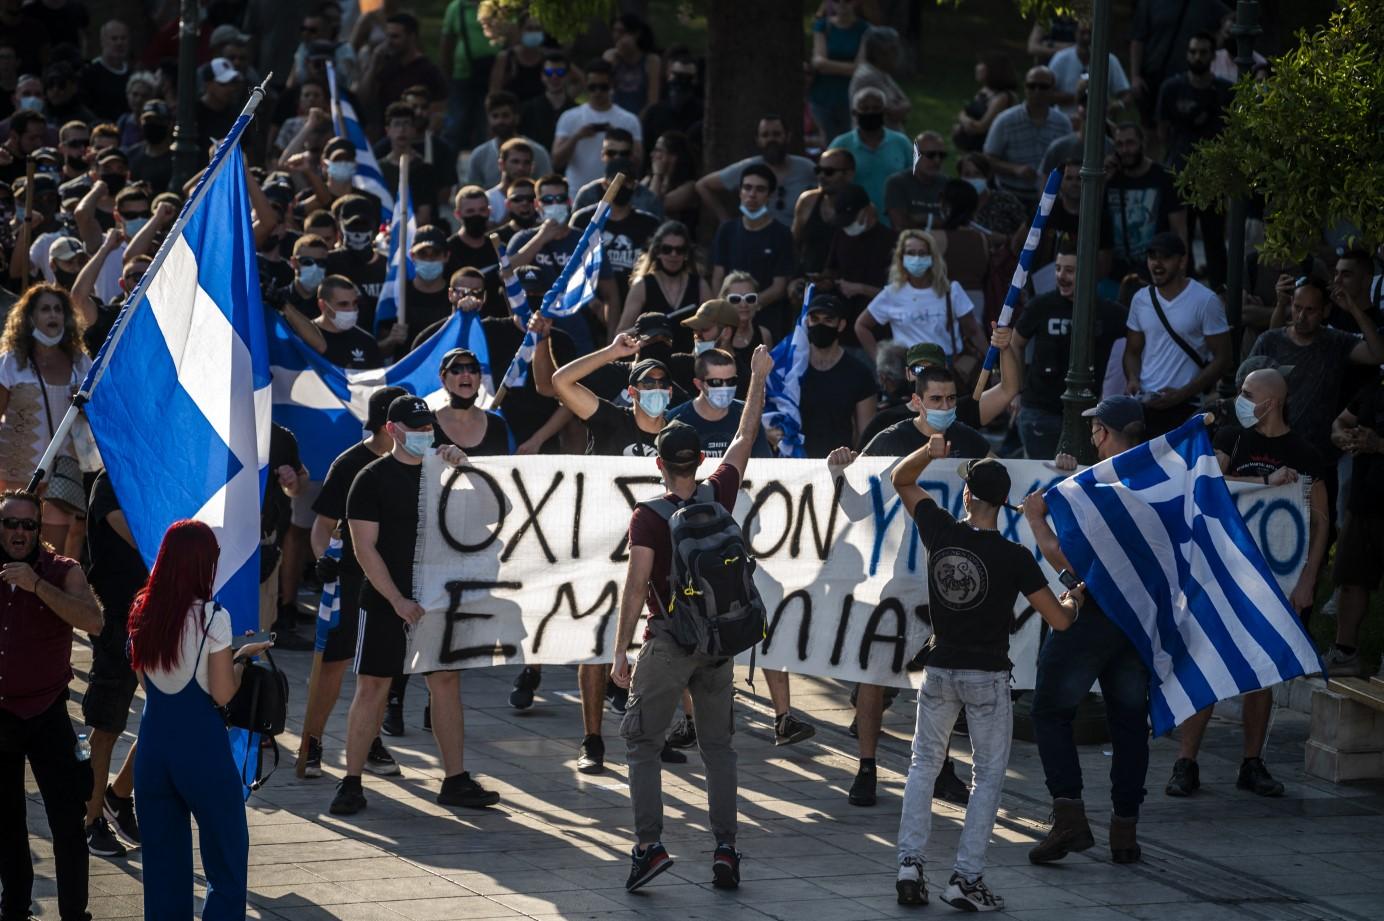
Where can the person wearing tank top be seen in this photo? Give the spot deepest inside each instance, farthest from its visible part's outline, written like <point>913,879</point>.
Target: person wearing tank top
<point>461,421</point>
<point>636,70</point>
<point>665,280</point>
<point>740,291</point>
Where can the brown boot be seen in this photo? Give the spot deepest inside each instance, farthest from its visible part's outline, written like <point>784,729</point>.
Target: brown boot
<point>1070,832</point>
<point>1124,847</point>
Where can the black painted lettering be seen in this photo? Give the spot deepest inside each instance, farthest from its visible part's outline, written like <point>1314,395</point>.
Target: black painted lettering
<point>846,604</point>
<point>500,503</point>
<point>623,483</point>
<point>576,516</point>
<point>607,603</point>
<point>774,488</point>
<point>807,510</point>
<point>804,599</point>
<point>455,616</point>
<point>899,638</point>
<point>534,512</point>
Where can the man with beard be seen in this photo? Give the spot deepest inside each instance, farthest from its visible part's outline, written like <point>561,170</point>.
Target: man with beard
<point>795,174</point>
<point>520,206</point>
<point>626,232</point>
<point>45,597</point>
<point>1141,202</point>
<point>502,114</point>
<point>516,162</point>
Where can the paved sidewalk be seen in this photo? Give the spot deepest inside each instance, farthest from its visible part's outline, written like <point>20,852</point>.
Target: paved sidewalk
<point>556,846</point>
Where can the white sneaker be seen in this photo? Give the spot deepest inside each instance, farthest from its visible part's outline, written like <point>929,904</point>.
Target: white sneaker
<point>974,896</point>
<point>1342,665</point>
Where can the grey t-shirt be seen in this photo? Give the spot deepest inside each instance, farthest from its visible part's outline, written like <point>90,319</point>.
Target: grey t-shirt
<point>802,175</point>
<point>1314,387</point>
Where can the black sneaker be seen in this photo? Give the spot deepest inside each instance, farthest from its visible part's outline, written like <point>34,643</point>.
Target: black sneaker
<point>684,734</point>
<point>949,787</point>
<point>101,841</point>
<point>788,729</point>
<point>853,729</point>
<point>863,789</point>
<point>592,758</point>
<point>120,812</point>
<point>1186,778</point>
<point>725,867</point>
<point>521,698</point>
<point>974,896</point>
<point>427,717</point>
<point>462,790</point>
<point>349,799</point>
<point>312,762</point>
<point>652,861</point>
<point>618,696</point>
<point>910,885</point>
<point>393,724</point>
<point>380,761</point>
<point>1255,776</point>
<point>671,755</point>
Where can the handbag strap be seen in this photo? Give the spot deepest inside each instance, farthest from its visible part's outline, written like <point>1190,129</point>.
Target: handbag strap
<point>1172,333</point>
<point>43,389</point>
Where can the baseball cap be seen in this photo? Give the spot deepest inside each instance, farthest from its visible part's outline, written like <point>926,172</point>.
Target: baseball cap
<point>411,411</point>
<point>924,355</point>
<point>379,406</point>
<point>1117,412</point>
<point>828,304</point>
<point>112,153</point>
<point>228,33</point>
<point>223,71</point>
<point>431,235</point>
<point>848,202</point>
<point>642,369</point>
<point>713,313</point>
<point>654,324</point>
<point>336,144</point>
<point>1258,363</point>
<point>679,443</point>
<point>357,223</point>
<point>65,248</point>
<point>987,478</point>
<point>157,108</point>
<point>458,353</point>
<point>1167,243</point>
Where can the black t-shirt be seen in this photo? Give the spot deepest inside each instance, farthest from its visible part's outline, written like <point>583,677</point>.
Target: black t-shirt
<point>94,336</point>
<point>766,253</point>
<point>422,180</point>
<point>367,269</point>
<point>974,577</point>
<point>331,499</point>
<point>1256,455</point>
<point>497,439</point>
<point>919,200</point>
<point>117,570</point>
<point>423,309</point>
<point>612,431</point>
<point>624,240</point>
<point>828,401</point>
<point>353,349</point>
<point>1367,475</point>
<point>1138,208</point>
<point>1047,323</point>
<point>277,509</point>
<point>386,492</point>
<point>155,169</point>
<point>306,304</point>
<point>461,255</point>
<point>903,438</point>
<point>1192,114</point>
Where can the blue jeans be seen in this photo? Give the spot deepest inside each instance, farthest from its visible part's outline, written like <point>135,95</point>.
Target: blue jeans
<point>1071,662</point>
<point>990,721</point>
<point>1039,430</point>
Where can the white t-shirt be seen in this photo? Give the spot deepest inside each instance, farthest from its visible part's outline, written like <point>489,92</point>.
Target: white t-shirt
<point>919,315</point>
<point>216,622</point>
<point>499,207</point>
<point>585,163</point>
<point>1067,68</point>
<point>1195,314</point>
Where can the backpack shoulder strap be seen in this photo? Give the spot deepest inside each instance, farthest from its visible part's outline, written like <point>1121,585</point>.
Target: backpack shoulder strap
<point>661,507</point>
<point>705,492</point>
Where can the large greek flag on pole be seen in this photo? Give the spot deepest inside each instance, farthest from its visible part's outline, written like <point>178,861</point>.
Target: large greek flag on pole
<point>783,390</point>
<point>1155,534</point>
<point>368,177</point>
<point>326,407</point>
<point>182,411</point>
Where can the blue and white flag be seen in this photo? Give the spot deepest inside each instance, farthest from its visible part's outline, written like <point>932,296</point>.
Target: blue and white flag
<point>783,389</point>
<point>1155,534</point>
<point>180,391</point>
<point>326,407</point>
<point>368,177</point>
<point>514,289</point>
<point>400,269</point>
<point>574,288</point>
<point>329,608</point>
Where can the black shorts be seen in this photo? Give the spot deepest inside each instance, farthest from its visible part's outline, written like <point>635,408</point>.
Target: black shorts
<point>1360,551</point>
<point>341,642</point>
<point>382,640</point>
<point>111,688</point>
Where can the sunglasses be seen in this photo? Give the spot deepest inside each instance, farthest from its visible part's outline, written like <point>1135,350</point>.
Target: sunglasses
<point>827,171</point>
<point>610,153</point>
<point>933,154</point>
<point>463,291</point>
<point>307,262</point>
<point>555,71</point>
<point>553,199</point>
<point>464,369</point>
<point>736,300</point>
<point>19,524</point>
<point>77,143</point>
<point>522,199</point>
<point>598,87</point>
<point>721,381</point>
<point>669,250</point>
<point>1038,86</point>
<point>134,215</point>
<point>652,383</point>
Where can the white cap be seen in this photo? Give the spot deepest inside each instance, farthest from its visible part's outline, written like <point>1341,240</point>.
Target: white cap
<point>65,248</point>
<point>223,71</point>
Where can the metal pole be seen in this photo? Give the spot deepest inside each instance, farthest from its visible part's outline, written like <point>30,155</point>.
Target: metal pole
<point>1245,29</point>
<point>1081,383</point>
<point>185,153</point>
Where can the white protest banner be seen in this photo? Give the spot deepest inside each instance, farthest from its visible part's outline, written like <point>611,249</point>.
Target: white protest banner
<point>522,559</point>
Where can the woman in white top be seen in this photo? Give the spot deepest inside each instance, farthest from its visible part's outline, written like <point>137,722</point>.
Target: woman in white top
<point>180,647</point>
<point>920,304</point>
<point>42,363</point>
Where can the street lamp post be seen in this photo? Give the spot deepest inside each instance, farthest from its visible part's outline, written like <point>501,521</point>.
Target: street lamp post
<point>185,153</point>
<point>1245,29</point>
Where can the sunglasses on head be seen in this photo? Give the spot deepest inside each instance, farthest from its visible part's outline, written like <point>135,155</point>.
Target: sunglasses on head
<point>19,524</point>
<point>667,249</point>
<point>464,368</point>
<point>555,71</point>
<point>736,299</point>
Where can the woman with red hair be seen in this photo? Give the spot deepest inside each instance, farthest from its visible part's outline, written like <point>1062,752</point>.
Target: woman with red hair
<point>180,646</point>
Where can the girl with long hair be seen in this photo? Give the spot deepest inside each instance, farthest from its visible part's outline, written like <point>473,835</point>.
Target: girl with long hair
<point>673,177</point>
<point>180,647</point>
<point>665,279</point>
<point>741,291</point>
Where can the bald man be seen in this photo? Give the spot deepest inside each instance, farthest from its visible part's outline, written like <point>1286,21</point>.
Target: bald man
<point>1019,136</point>
<point>1261,448</point>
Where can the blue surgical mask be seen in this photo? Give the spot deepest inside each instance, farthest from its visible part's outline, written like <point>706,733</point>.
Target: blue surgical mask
<point>754,215</point>
<point>418,443</point>
<point>531,39</point>
<point>917,266</point>
<point>720,397</point>
<point>654,402</point>
<point>429,271</point>
<point>341,170</point>
<point>979,184</point>
<point>703,345</point>
<point>134,225</point>
<point>31,103</point>
<point>1246,412</point>
<point>940,419</point>
<point>310,276</point>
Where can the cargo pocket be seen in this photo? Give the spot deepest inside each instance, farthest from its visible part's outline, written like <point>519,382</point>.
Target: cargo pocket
<point>632,723</point>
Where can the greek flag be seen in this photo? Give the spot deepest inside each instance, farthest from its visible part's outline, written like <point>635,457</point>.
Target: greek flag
<point>514,289</point>
<point>1155,534</point>
<point>182,418</point>
<point>783,389</point>
<point>574,288</point>
<point>326,407</point>
<point>401,233</point>
<point>368,177</point>
<point>1020,276</point>
<point>329,608</point>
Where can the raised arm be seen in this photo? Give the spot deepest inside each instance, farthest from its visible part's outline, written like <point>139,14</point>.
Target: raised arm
<point>997,398</point>
<point>567,380</point>
<point>907,471</point>
<point>1035,509</point>
<point>738,453</point>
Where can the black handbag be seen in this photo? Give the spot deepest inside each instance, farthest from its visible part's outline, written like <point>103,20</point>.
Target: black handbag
<point>260,703</point>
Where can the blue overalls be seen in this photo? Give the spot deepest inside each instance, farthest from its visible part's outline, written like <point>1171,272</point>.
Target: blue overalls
<point>184,766</point>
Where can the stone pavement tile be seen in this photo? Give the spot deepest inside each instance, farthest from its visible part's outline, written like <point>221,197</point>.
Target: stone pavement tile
<point>830,908</point>
<point>352,912</point>
<point>1097,913</point>
<point>404,888</point>
<point>107,883</point>
<point>263,875</point>
<point>1027,898</point>
<point>318,893</point>
<point>520,880</point>
<point>1360,905</point>
<point>381,866</point>
<point>858,885</point>
<point>1131,892</point>
<point>455,908</point>
<point>574,900</point>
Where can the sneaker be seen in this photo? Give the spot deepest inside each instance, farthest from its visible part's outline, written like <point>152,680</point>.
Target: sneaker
<point>949,788</point>
<point>910,885</point>
<point>393,724</point>
<point>1340,664</point>
<point>863,789</point>
<point>647,864</point>
<point>312,763</point>
<point>101,841</point>
<point>462,790</point>
<point>427,717</point>
<point>974,896</point>
<point>380,761</point>
<point>618,696</point>
<point>120,812</point>
<point>1185,780</point>
<point>725,867</point>
<point>671,755</point>
<point>349,799</point>
<point>684,734</point>
<point>789,729</point>
<point>1256,777</point>
<point>592,758</point>
<point>521,698</point>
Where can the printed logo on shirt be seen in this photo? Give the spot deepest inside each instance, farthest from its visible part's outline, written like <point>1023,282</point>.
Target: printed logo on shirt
<point>358,354</point>
<point>960,578</point>
<point>639,450</point>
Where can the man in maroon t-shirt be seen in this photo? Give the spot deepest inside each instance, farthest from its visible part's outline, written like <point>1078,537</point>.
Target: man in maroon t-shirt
<point>666,669</point>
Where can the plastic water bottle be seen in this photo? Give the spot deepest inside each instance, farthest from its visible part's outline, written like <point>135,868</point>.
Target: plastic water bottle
<point>83,747</point>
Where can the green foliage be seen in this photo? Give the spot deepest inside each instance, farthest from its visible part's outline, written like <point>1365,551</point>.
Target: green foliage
<point>1034,9</point>
<point>1309,139</point>
<point>564,19</point>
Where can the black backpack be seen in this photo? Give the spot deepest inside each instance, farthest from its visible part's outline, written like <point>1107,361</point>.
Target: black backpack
<point>715,608</point>
<point>260,706</point>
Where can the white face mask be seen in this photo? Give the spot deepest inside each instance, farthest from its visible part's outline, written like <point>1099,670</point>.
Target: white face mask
<point>720,397</point>
<point>345,319</point>
<point>558,213</point>
<point>703,345</point>
<point>1246,412</point>
<point>45,339</point>
<point>856,229</point>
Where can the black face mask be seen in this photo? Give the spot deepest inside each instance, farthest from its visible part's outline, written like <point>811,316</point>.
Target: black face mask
<point>869,121</point>
<point>624,196</point>
<point>155,133</point>
<point>459,402</point>
<point>773,152</point>
<point>76,164</point>
<point>822,335</point>
<point>1198,67</point>
<point>114,182</point>
<point>474,225</point>
<point>681,90</point>
<point>66,279</point>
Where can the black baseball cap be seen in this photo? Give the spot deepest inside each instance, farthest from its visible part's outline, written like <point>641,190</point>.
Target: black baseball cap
<point>454,354</point>
<point>679,443</point>
<point>642,369</point>
<point>1167,243</point>
<point>378,411</point>
<point>431,235</point>
<point>848,201</point>
<point>987,478</point>
<point>654,324</point>
<point>828,304</point>
<point>1117,412</point>
<point>411,411</point>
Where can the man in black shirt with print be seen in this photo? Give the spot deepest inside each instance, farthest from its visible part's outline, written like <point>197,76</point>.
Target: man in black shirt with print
<point>334,334</point>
